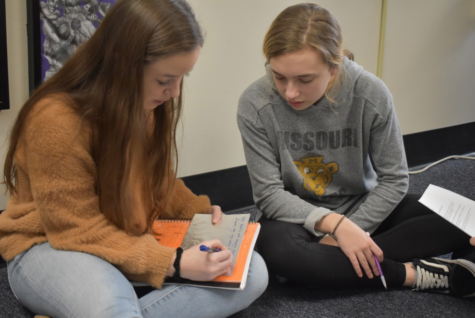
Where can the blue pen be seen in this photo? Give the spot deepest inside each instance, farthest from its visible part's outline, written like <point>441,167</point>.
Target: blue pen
<point>205,248</point>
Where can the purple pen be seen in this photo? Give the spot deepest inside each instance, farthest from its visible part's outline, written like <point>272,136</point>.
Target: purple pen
<point>380,272</point>
<point>379,269</point>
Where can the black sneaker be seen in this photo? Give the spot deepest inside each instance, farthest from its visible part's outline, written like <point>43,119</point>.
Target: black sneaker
<point>455,277</point>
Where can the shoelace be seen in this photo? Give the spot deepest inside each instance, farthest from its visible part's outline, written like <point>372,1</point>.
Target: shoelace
<point>426,279</point>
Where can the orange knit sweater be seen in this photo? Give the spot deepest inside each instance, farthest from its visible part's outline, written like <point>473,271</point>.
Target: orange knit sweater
<point>56,199</point>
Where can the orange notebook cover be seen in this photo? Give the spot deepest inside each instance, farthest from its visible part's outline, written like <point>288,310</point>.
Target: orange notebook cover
<point>172,232</point>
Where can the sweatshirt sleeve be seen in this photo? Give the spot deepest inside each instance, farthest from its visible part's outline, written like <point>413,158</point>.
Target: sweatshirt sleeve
<point>269,192</point>
<point>61,172</point>
<point>386,148</point>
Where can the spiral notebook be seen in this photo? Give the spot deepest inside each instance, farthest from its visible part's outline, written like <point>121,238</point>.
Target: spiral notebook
<point>234,231</point>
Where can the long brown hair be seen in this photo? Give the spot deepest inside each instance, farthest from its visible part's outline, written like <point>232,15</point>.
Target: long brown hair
<point>308,25</point>
<point>104,84</point>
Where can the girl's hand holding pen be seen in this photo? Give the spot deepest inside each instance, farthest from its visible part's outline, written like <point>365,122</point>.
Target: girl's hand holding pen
<point>200,266</point>
<point>205,248</point>
<point>359,248</point>
<point>355,243</point>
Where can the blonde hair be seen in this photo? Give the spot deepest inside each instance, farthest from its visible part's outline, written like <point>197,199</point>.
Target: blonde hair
<point>309,25</point>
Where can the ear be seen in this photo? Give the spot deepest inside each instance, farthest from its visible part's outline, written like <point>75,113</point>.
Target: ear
<point>333,70</point>
<point>298,164</point>
<point>332,167</point>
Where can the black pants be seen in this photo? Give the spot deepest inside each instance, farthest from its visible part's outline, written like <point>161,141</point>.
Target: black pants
<point>410,231</point>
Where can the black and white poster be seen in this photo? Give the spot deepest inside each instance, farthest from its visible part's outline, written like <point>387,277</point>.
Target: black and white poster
<point>65,25</point>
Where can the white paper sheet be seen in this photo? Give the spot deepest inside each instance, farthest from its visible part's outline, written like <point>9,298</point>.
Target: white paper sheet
<point>453,207</point>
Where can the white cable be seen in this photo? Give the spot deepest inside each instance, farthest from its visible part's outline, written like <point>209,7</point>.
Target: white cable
<point>441,160</point>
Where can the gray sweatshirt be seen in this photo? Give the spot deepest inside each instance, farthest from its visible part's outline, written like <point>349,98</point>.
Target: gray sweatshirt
<point>347,158</point>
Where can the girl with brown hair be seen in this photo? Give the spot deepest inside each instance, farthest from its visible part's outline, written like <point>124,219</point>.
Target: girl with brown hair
<point>327,164</point>
<point>91,166</point>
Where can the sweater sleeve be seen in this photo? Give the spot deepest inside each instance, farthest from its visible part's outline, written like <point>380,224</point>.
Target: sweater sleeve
<point>61,172</point>
<point>386,149</point>
<point>269,193</point>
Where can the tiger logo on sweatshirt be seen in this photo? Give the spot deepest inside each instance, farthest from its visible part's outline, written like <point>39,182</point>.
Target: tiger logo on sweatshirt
<point>316,174</point>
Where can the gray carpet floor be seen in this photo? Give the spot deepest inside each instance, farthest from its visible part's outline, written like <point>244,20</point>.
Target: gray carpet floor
<point>295,300</point>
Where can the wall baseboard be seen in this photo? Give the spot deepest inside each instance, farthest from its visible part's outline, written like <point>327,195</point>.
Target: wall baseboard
<point>432,145</point>
<point>231,188</point>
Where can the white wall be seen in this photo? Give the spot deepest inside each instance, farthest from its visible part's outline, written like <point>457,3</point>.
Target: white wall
<point>428,66</point>
<point>232,59</point>
<point>17,76</point>
<point>429,62</point>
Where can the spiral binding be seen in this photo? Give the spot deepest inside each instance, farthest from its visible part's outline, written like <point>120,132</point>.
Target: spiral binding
<point>189,221</point>
<point>173,221</point>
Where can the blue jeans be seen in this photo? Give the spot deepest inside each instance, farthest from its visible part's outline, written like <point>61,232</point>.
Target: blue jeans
<point>73,284</point>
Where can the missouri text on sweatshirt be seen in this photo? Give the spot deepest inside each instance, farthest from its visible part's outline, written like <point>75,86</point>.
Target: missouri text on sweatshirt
<point>346,158</point>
